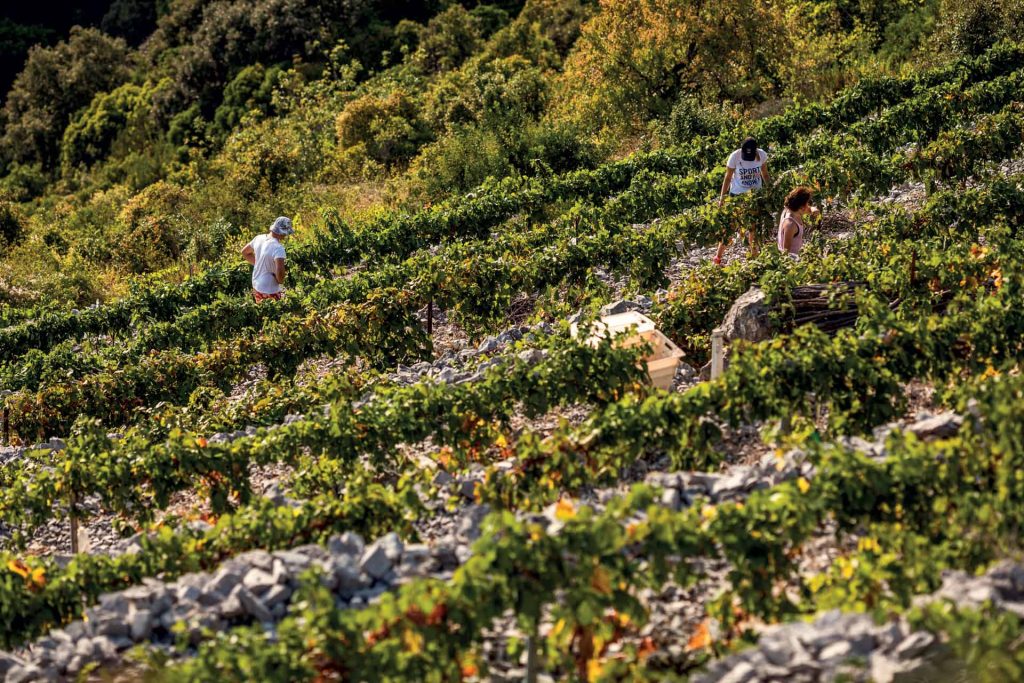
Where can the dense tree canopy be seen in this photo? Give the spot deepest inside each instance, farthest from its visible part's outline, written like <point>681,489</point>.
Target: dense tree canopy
<point>56,82</point>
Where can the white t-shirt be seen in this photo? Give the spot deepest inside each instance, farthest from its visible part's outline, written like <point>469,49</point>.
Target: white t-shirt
<point>747,175</point>
<point>267,250</point>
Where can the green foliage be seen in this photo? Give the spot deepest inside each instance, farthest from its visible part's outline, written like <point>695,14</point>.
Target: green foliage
<point>12,223</point>
<point>251,90</point>
<point>972,26</point>
<point>187,129</point>
<point>496,94</point>
<point>150,228</point>
<point>23,182</point>
<point>690,119</point>
<point>388,130</point>
<point>212,41</point>
<point>55,83</point>
<point>92,134</point>
<point>450,38</point>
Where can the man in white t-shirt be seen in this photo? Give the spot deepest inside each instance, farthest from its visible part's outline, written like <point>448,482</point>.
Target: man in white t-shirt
<point>266,254</point>
<point>746,171</point>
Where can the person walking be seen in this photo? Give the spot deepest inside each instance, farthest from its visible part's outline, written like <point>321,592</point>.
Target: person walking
<point>746,171</point>
<point>266,255</point>
<point>791,224</point>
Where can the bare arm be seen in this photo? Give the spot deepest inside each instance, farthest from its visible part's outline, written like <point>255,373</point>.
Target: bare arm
<point>249,254</point>
<point>725,184</point>
<point>280,270</point>
<point>766,177</point>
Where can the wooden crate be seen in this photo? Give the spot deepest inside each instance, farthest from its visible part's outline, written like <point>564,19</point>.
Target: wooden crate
<point>664,357</point>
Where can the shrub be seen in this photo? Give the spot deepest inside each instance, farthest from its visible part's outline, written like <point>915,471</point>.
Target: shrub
<point>24,181</point>
<point>459,161</point>
<point>12,223</point>
<point>251,90</point>
<point>95,129</point>
<point>689,119</point>
<point>150,228</point>
<point>558,149</point>
<point>448,39</point>
<point>499,94</point>
<point>387,129</point>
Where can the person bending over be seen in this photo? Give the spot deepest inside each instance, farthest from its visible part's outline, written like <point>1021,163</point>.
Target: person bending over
<point>266,254</point>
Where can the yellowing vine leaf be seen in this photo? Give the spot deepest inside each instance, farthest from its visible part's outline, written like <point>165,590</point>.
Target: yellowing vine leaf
<point>564,510</point>
<point>601,581</point>
<point>701,638</point>
<point>413,641</point>
<point>19,568</point>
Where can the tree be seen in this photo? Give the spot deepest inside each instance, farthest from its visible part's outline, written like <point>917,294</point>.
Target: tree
<point>204,44</point>
<point>250,90</point>
<point>448,39</point>
<point>635,57</point>
<point>132,20</point>
<point>93,132</point>
<point>972,26</point>
<point>387,129</point>
<point>55,83</point>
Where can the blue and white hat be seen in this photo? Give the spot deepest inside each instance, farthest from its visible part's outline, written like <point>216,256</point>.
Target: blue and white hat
<point>282,226</point>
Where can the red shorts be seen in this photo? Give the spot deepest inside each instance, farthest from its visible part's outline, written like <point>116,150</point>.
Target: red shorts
<point>260,297</point>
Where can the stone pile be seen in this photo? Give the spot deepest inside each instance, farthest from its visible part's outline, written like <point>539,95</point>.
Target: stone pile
<point>681,489</point>
<point>835,646</point>
<point>1002,586</point>
<point>254,587</point>
<point>852,647</point>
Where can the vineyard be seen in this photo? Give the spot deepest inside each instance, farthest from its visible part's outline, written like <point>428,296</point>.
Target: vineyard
<point>408,469</point>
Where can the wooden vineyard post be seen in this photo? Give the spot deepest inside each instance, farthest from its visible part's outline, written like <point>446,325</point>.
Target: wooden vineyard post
<point>6,416</point>
<point>430,318</point>
<point>531,659</point>
<point>73,519</point>
<point>717,353</point>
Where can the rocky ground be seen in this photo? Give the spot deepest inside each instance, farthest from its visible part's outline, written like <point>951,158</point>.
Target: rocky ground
<point>258,586</point>
<point>853,647</point>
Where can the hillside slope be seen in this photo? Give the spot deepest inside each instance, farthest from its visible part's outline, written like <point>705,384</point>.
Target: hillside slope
<point>408,470</point>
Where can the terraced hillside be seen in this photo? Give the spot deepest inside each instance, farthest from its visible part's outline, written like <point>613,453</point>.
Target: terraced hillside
<point>408,470</point>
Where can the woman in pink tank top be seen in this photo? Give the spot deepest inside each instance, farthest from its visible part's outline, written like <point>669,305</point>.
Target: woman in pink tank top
<point>791,224</point>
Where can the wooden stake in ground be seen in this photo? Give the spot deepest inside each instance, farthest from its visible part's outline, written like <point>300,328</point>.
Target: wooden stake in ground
<point>6,416</point>
<point>531,660</point>
<point>73,519</point>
